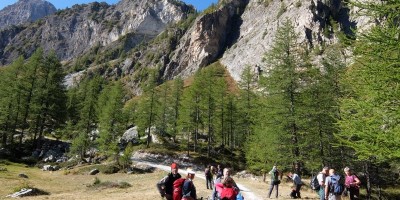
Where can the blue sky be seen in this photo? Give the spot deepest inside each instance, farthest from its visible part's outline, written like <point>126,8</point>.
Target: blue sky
<point>61,4</point>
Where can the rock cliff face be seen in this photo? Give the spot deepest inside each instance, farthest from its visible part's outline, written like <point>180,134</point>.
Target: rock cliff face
<point>74,31</point>
<point>25,11</point>
<point>256,27</point>
<point>206,40</point>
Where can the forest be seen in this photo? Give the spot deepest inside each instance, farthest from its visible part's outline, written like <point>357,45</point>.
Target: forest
<point>298,114</point>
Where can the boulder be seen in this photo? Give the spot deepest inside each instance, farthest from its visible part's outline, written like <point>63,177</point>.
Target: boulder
<point>130,135</point>
<point>21,175</point>
<point>48,168</point>
<point>94,172</point>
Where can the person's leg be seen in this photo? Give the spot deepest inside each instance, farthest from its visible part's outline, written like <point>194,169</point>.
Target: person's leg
<point>321,193</point>
<point>298,187</point>
<point>276,193</point>
<point>271,187</point>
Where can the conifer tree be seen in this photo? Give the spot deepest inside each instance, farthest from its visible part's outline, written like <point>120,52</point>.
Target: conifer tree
<point>283,86</point>
<point>370,111</point>
<point>147,110</point>
<point>110,118</point>
<point>177,95</point>
<point>10,99</point>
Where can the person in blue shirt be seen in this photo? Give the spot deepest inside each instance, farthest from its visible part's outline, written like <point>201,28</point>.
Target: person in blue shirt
<point>188,189</point>
<point>297,183</point>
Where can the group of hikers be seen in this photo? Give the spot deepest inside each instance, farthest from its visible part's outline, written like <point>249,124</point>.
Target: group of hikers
<point>327,184</point>
<point>174,187</point>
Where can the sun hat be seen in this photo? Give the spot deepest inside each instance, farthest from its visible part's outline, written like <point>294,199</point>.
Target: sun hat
<point>190,171</point>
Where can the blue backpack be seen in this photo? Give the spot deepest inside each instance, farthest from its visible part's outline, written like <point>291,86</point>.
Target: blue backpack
<point>335,186</point>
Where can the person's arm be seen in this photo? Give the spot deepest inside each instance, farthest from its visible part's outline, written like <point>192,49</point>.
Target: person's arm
<point>357,181</point>
<point>187,190</point>
<point>214,192</point>
<point>326,188</point>
<point>161,186</point>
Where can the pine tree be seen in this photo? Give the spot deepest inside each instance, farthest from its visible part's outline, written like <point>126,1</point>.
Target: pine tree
<point>283,86</point>
<point>370,110</point>
<point>10,99</point>
<point>110,118</point>
<point>177,95</point>
<point>147,109</point>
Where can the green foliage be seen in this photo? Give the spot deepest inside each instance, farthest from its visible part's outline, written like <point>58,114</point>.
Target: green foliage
<point>282,9</point>
<point>125,160</point>
<point>370,113</point>
<point>110,118</point>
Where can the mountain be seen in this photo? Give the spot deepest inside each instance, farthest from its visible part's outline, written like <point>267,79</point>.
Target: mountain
<point>119,41</point>
<point>73,31</point>
<point>25,11</point>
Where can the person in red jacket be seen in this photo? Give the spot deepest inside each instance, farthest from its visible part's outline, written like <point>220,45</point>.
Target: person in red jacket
<point>165,185</point>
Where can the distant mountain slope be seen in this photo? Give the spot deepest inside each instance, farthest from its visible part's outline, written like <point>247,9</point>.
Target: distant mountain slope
<point>25,11</point>
<point>72,32</point>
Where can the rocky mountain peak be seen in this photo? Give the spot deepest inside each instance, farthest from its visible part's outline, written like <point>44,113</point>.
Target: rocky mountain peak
<point>25,11</point>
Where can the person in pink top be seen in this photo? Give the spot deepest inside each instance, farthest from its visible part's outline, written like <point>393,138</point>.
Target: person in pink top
<point>352,184</point>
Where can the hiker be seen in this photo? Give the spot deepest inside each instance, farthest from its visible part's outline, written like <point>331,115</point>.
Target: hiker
<point>226,189</point>
<point>274,181</point>
<point>219,171</point>
<point>188,189</point>
<point>352,184</point>
<point>226,173</point>
<point>209,177</point>
<point>165,185</point>
<point>297,184</point>
<point>329,184</point>
<point>321,180</point>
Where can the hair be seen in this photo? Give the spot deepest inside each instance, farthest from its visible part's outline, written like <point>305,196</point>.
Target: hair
<point>325,168</point>
<point>227,181</point>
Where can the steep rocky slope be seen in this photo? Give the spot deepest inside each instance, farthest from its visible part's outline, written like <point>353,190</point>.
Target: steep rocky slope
<point>25,11</point>
<point>74,31</point>
<point>256,28</point>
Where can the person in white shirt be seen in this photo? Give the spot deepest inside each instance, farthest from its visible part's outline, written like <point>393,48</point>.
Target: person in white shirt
<point>321,180</point>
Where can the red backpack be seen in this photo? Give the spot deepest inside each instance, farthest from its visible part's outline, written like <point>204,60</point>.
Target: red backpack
<point>177,186</point>
<point>228,193</point>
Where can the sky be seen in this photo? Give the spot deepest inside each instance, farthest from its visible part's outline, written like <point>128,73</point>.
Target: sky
<point>61,4</point>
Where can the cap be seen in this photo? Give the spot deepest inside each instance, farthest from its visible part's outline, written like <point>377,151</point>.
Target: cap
<point>174,166</point>
<point>190,171</point>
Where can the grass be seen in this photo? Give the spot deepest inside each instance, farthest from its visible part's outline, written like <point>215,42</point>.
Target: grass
<point>62,185</point>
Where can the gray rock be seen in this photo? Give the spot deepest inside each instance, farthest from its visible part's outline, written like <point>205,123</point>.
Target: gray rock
<point>130,135</point>
<point>48,168</point>
<point>21,175</point>
<point>94,172</point>
<point>25,11</point>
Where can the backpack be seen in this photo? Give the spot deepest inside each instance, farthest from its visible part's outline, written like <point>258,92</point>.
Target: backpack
<point>335,186</point>
<point>314,184</point>
<point>177,192</point>
<point>228,194</point>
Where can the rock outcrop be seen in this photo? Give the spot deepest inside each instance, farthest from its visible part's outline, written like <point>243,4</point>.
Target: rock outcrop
<point>25,11</point>
<point>254,30</point>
